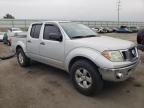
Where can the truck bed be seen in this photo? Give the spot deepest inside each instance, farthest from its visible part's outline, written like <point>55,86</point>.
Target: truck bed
<point>18,37</point>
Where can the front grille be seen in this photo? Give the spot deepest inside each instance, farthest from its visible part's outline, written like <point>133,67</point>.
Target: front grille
<point>129,54</point>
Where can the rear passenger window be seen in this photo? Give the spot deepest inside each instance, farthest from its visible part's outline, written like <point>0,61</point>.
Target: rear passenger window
<point>35,30</point>
<point>32,31</point>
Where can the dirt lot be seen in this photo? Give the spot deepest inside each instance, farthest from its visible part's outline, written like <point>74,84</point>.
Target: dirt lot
<point>41,86</point>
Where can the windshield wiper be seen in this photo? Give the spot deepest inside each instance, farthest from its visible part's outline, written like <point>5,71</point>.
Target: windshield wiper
<point>90,35</point>
<point>84,36</point>
<point>78,37</point>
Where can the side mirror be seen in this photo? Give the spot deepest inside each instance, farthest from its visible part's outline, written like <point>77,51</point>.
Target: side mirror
<point>55,37</point>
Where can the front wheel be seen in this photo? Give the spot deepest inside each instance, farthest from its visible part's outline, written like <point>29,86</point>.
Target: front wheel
<point>86,78</point>
<point>22,59</point>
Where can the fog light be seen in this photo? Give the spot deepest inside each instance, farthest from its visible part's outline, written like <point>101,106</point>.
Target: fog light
<point>119,75</point>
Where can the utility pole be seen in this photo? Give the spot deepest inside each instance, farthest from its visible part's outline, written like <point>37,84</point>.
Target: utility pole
<point>118,7</point>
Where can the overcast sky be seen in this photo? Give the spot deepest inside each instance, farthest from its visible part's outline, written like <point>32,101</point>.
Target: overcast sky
<point>131,10</point>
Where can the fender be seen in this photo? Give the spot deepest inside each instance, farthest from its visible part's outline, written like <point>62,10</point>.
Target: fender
<point>90,54</point>
<point>22,45</point>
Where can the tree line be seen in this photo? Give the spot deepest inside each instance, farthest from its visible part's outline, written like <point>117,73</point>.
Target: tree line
<point>8,16</point>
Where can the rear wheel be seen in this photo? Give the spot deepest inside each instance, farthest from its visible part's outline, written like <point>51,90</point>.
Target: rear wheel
<point>22,59</point>
<point>86,78</point>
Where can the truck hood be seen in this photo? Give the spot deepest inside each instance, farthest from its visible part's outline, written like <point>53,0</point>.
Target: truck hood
<point>102,43</point>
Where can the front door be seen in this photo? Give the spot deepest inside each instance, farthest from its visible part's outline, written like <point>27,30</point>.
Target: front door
<point>52,51</point>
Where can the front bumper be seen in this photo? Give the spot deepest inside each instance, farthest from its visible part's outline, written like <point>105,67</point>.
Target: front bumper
<point>118,74</point>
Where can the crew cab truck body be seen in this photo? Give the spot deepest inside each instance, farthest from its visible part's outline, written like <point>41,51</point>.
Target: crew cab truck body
<point>75,48</point>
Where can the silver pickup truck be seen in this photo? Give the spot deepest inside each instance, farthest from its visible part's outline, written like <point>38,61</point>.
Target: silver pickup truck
<point>88,57</point>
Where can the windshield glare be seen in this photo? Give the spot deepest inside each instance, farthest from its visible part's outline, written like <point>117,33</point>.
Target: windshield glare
<point>74,30</point>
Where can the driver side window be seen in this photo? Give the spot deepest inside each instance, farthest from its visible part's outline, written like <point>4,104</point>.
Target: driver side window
<point>50,29</point>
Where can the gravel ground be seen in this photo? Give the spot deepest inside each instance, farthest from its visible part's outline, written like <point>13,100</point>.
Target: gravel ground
<point>41,86</point>
<point>5,51</point>
<point>4,48</point>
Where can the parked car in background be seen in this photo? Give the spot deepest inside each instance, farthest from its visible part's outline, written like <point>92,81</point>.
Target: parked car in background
<point>14,30</point>
<point>133,29</point>
<point>10,32</point>
<point>102,30</point>
<point>88,57</point>
<point>96,29</point>
<point>108,30</point>
<point>124,29</point>
<point>115,29</point>
<point>1,36</point>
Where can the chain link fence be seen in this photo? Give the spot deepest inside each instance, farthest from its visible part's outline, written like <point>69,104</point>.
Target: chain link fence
<point>22,23</point>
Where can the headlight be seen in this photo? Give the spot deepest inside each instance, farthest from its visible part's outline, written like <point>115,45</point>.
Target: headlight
<point>114,56</point>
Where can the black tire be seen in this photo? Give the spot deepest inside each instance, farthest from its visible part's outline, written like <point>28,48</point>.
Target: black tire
<point>26,60</point>
<point>97,82</point>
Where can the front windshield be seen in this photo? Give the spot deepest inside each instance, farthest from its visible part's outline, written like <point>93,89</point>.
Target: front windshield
<point>74,30</point>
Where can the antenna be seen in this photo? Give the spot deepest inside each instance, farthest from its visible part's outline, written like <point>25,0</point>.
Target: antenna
<point>118,7</point>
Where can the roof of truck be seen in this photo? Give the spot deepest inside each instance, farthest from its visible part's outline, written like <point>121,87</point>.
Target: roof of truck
<point>57,21</point>
<point>51,22</point>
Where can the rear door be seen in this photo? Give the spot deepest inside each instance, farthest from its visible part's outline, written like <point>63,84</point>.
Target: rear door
<point>33,41</point>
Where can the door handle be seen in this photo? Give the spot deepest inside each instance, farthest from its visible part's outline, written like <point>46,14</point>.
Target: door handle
<point>42,43</point>
<point>29,41</point>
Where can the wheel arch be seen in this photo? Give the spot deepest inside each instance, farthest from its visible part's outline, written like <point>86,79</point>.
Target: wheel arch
<point>73,60</point>
<point>18,47</point>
